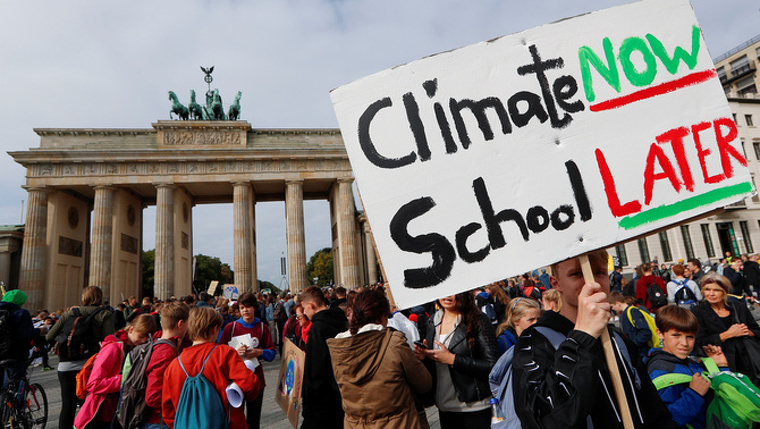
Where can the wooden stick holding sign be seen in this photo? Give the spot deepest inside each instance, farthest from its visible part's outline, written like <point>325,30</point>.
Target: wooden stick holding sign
<point>609,355</point>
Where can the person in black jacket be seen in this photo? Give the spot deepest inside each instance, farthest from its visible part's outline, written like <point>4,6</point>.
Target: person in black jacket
<point>727,324</point>
<point>461,350</point>
<point>570,387</point>
<point>20,333</point>
<point>321,397</point>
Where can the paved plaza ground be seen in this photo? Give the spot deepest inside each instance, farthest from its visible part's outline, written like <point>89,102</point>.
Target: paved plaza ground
<point>271,415</point>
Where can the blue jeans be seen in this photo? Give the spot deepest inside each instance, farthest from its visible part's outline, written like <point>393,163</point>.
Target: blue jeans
<point>154,426</point>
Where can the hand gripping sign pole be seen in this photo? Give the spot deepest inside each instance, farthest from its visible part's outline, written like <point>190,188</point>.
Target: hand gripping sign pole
<point>609,355</point>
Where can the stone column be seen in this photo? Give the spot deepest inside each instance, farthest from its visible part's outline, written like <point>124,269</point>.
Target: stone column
<point>164,265</point>
<point>371,258</point>
<point>347,234</point>
<point>296,240</point>
<point>241,235</point>
<point>34,251</point>
<point>102,240</point>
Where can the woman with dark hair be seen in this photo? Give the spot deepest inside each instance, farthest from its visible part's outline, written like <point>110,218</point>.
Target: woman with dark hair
<point>376,370</point>
<point>727,324</point>
<point>460,351</point>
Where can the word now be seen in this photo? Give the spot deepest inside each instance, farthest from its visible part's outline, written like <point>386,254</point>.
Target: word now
<point>724,132</point>
<point>536,220</point>
<point>649,50</point>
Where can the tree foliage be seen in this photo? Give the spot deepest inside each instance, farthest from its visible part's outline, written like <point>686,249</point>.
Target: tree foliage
<point>148,271</point>
<point>320,265</point>
<point>209,268</point>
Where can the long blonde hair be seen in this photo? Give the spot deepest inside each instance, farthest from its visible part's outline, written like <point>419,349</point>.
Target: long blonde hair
<point>515,311</point>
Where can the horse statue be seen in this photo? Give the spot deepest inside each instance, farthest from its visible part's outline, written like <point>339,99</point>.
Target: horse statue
<point>196,113</point>
<point>234,111</point>
<point>217,108</point>
<point>177,107</point>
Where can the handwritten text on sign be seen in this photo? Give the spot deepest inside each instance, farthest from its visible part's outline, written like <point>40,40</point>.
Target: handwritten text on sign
<point>490,160</point>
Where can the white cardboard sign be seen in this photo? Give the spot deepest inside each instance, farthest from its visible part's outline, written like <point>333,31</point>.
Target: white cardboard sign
<point>490,160</point>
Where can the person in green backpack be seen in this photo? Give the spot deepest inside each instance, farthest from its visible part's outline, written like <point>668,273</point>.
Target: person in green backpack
<point>678,377</point>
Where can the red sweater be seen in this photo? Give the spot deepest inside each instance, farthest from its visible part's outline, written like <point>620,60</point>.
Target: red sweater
<point>224,366</point>
<point>162,356</point>
<point>643,284</point>
<point>257,330</point>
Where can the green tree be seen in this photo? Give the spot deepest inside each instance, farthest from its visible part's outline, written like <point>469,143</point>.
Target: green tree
<point>320,265</point>
<point>148,272</point>
<point>209,268</point>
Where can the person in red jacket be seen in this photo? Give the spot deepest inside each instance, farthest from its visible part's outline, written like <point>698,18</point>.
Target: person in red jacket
<point>103,386</point>
<point>263,348</point>
<point>642,284</point>
<point>174,317</point>
<point>224,367</point>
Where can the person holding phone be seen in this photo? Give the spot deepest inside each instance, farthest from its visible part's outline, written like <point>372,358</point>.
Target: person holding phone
<point>459,350</point>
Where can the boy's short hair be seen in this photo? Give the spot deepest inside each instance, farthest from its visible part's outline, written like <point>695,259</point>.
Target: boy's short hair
<point>201,323</point>
<point>144,324</point>
<point>615,297</point>
<point>594,256</point>
<point>678,269</point>
<point>248,299</point>
<point>315,295</point>
<point>673,317</point>
<point>172,313</point>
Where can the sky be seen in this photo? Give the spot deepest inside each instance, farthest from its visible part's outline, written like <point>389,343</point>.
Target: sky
<point>95,64</point>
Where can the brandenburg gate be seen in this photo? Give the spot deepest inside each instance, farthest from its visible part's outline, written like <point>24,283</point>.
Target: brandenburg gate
<point>88,188</point>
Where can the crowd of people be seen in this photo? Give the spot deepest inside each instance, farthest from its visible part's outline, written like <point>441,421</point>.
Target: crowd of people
<point>370,365</point>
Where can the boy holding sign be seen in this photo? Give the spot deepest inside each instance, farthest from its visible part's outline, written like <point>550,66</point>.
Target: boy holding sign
<point>570,385</point>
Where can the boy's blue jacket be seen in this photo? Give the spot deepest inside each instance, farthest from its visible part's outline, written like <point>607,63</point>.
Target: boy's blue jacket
<point>684,404</point>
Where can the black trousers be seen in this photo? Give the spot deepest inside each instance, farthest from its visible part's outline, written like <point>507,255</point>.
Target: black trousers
<point>68,380</point>
<point>471,420</point>
<point>253,411</point>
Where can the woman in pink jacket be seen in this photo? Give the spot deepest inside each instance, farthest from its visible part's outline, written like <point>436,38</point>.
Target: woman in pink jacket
<point>103,386</point>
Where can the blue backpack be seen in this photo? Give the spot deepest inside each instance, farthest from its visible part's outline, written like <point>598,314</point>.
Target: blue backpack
<point>200,405</point>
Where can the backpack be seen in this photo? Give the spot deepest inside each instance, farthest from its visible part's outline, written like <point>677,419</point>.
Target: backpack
<point>489,311</point>
<point>7,335</point>
<point>654,340</point>
<point>199,403</point>
<point>657,298</point>
<point>278,311</point>
<point>684,296</point>
<point>133,411</point>
<point>83,376</point>
<point>76,341</point>
<point>735,403</point>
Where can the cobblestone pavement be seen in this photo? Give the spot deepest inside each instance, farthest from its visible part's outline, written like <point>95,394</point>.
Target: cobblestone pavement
<point>271,414</point>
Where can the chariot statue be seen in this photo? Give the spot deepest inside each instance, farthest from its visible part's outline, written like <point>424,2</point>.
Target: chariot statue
<point>212,111</point>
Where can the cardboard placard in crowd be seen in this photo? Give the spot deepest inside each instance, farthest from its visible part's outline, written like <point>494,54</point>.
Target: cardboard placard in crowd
<point>290,381</point>
<point>487,161</point>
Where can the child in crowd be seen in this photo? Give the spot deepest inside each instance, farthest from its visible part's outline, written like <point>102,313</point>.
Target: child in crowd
<point>521,313</point>
<point>263,347</point>
<point>224,366</point>
<point>687,402</point>
<point>552,300</point>
<point>103,386</point>
<point>174,317</point>
<point>635,327</point>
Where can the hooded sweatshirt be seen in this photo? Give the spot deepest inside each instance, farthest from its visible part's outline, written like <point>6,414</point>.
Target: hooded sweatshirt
<point>258,330</point>
<point>685,405</point>
<point>377,372</point>
<point>321,397</point>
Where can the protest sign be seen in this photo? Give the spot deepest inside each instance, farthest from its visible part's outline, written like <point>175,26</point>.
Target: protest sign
<point>289,382</point>
<point>490,160</point>
<point>230,292</point>
<point>212,287</point>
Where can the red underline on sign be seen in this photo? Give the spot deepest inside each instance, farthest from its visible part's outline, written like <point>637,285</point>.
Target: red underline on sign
<point>669,210</point>
<point>663,88</point>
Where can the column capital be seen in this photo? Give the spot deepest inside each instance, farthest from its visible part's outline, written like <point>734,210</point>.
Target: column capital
<point>105,187</point>
<point>241,183</point>
<point>165,185</point>
<point>36,189</point>
<point>294,182</point>
<point>348,180</point>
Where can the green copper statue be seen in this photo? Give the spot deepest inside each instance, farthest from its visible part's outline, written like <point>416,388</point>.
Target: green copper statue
<point>212,111</point>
